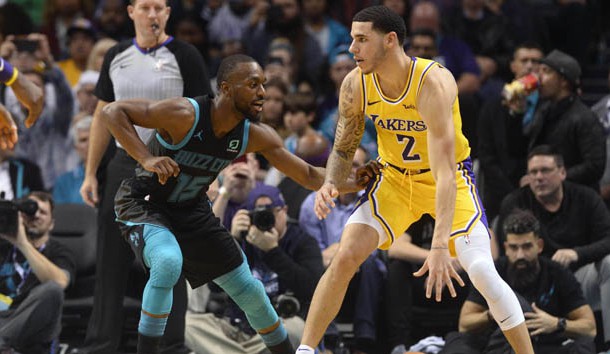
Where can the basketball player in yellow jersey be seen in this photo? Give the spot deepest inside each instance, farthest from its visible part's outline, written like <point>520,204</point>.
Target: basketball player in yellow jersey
<point>413,103</point>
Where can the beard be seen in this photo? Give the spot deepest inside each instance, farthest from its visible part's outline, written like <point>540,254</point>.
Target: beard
<point>522,275</point>
<point>34,233</point>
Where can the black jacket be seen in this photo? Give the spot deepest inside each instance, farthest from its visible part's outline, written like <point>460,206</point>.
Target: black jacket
<point>575,131</point>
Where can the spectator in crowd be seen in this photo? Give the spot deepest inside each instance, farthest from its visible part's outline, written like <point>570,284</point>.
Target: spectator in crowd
<point>86,101</point>
<point>422,44</point>
<point>299,114</point>
<point>111,20</point>
<point>328,32</point>
<point>602,110</point>
<point>503,130</point>
<point>565,122</point>
<point>558,317</point>
<point>366,288</point>
<point>284,258</point>
<point>575,225</point>
<point>34,271</point>
<point>67,186</point>
<point>191,29</point>
<point>238,180</point>
<point>96,57</point>
<point>486,33</point>
<point>81,39</point>
<point>280,62</point>
<point>273,108</point>
<point>152,65</point>
<point>283,19</point>
<point>454,54</point>
<point>230,21</point>
<point>58,16</point>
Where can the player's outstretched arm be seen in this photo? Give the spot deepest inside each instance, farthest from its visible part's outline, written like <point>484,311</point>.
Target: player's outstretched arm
<point>30,96</point>
<point>8,129</point>
<point>435,103</point>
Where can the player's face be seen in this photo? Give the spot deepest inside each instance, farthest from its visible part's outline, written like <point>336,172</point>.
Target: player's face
<point>248,90</point>
<point>546,176</point>
<point>367,46</point>
<point>149,17</point>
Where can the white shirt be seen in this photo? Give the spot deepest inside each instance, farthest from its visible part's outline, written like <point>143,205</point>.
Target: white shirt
<point>6,186</point>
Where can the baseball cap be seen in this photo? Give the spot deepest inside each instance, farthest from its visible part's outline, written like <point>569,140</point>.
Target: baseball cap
<point>82,25</point>
<point>564,64</point>
<point>263,190</point>
<point>340,52</point>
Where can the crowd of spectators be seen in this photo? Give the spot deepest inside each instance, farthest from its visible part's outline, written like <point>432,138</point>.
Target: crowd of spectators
<point>545,152</point>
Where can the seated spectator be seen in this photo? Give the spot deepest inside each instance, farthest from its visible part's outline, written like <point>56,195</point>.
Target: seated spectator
<point>112,21</point>
<point>86,101</point>
<point>96,57</point>
<point>283,257</point>
<point>67,186</point>
<point>575,225</point>
<point>557,315</point>
<point>81,39</point>
<point>299,113</point>
<point>503,130</point>
<point>365,291</point>
<point>328,32</point>
<point>34,271</point>
<point>602,110</point>
<point>565,122</point>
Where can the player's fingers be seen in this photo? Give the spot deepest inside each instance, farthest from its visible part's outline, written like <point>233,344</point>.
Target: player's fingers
<point>429,285</point>
<point>438,288</point>
<point>450,286</point>
<point>422,270</point>
<point>456,276</point>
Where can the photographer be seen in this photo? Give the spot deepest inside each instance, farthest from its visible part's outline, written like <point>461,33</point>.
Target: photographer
<point>284,258</point>
<point>34,271</point>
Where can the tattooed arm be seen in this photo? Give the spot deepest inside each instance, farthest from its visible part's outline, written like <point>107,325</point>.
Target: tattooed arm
<point>350,129</point>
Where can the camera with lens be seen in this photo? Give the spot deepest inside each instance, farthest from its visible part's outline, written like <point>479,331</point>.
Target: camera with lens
<point>9,214</point>
<point>287,305</point>
<point>262,217</point>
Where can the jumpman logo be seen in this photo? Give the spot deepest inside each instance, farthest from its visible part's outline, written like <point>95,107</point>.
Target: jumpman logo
<point>198,135</point>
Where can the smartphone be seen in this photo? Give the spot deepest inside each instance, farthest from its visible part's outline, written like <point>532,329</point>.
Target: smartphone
<point>26,45</point>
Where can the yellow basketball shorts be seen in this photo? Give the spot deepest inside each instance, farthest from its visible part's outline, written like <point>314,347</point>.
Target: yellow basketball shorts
<point>396,200</point>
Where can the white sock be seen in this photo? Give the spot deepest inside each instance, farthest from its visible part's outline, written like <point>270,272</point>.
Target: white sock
<point>305,349</point>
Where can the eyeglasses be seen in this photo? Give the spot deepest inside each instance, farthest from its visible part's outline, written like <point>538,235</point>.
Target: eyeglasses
<point>545,171</point>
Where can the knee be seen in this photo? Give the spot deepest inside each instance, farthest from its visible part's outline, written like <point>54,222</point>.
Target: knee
<point>51,293</point>
<point>485,279</point>
<point>166,268</point>
<point>344,264</point>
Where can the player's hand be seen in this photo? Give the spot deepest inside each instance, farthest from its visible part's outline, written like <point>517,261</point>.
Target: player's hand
<point>8,130</point>
<point>565,257</point>
<point>240,223</point>
<point>439,264</point>
<point>163,166</point>
<point>540,322</point>
<point>367,172</point>
<point>30,96</point>
<point>325,200</point>
<point>88,191</point>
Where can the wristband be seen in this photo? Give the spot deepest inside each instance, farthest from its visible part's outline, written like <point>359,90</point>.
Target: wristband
<point>8,74</point>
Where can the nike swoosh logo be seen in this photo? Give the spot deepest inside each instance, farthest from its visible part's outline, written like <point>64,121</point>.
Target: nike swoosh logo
<point>506,318</point>
<point>372,103</point>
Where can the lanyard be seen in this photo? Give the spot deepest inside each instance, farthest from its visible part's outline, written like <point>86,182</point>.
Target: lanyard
<point>23,271</point>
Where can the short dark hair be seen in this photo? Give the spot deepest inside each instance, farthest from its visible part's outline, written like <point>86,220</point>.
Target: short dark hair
<point>384,20</point>
<point>277,83</point>
<point>521,221</point>
<point>300,102</point>
<point>426,32</point>
<point>529,44</point>
<point>547,150</point>
<point>44,197</point>
<point>228,65</point>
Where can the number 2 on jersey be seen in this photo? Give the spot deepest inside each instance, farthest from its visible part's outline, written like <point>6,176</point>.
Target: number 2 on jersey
<point>409,142</point>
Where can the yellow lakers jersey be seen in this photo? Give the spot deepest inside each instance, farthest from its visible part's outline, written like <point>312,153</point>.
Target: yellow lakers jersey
<point>401,133</point>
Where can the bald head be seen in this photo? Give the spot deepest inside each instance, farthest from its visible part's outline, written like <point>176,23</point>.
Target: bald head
<point>425,15</point>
